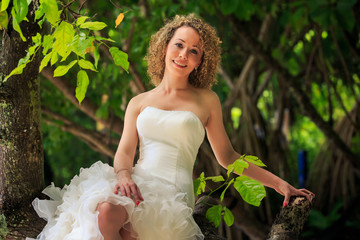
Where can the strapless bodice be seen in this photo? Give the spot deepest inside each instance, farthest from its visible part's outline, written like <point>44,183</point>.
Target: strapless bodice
<point>169,143</point>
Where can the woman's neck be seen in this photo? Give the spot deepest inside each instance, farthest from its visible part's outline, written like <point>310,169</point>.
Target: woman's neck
<point>170,82</point>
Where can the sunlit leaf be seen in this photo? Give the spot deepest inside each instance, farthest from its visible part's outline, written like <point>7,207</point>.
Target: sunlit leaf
<point>62,70</point>
<point>228,216</point>
<point>16,25</point>
<point>81,86</point>
<point>51,11</point>
<point>18,70</point>
<point>81,20</point>
<point>4,4</point>
<point>250,190</point>
<point>93,25</point>
<point>120,58</point>
<point>64,35</point>
<point>45,61</point>
<point>199,184</point>
<point>86,65</point>
<point>96,56</point>
<point>215,178</point>
<point>238,167</point>
<point>21,9</point>
<point>254,160</point>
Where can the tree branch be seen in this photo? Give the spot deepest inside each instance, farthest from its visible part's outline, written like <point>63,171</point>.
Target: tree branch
<point>94,139</point>
<point>299,94</point>
<point>87,106</point>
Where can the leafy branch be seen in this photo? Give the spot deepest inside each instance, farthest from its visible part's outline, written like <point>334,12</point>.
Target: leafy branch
<point>250,190</point>
<point>65,38</point>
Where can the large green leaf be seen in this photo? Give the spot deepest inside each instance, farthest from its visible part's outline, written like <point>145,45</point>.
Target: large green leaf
<point>21,9</point>
<point>250,190</point>
<point>16,25</point>
<point>228,216</point>
<point>64,35</point>
<point>45,61</point>
<point>62,70</point>
<point>213,214</point>
<point>51,11</point>
<point>86,65</point>
<point>120,58</point>
<point>93,25</point>
<point>4,4</point>
<point>81,86</point>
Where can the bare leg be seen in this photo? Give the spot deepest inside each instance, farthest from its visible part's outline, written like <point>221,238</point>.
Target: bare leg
<point>111,219</point>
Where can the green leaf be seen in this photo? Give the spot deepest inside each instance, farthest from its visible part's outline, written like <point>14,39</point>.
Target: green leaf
<point>120,58</point>
<point>223,193</point>
<point>16,25</point>
<point>228,216</point>
<point>81,20</point>
<point>104,39</point>
<point>18,70</point>
<point>199,184</point>
<point>54,57</point>
<point>4,5</point>
<point>213,214</point>
<point>21,9</point>
<point>51,11</point>
<point>45,61</point>
<point>250,190</point>
<point>237,167</point>
<point>93,25</point>
<point>86,65</point>
<point>80,43</point>
<point>47,43</point>
<point>39,12</point>
<point>64,35</point>
<point>254,160</point>
<point>4,20</point>
<point>215,178</point>
<point>82,84</point>
<point>62,70</point>
<point>96,56</point>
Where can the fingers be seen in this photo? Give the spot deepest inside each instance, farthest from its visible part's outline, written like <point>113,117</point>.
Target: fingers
<point>286,200</point>
<point>130,190</point>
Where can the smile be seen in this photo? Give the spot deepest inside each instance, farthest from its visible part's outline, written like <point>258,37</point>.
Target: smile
<point>181,65</point>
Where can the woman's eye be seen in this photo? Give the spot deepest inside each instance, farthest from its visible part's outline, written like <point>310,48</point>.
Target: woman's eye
<point>194,51</point>
<point>178,45</point>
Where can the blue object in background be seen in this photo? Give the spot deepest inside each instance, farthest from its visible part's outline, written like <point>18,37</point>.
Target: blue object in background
<point>302,165</point>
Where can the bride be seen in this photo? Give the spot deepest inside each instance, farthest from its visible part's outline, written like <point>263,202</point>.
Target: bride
<point>154,200</point>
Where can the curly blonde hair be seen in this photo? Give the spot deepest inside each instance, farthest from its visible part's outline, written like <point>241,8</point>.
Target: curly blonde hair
<point>205,75</point>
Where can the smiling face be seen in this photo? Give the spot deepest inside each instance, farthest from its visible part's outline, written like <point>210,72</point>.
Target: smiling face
<point>183,52</point>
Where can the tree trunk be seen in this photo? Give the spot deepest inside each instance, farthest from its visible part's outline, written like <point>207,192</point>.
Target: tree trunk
<point>21,152</point>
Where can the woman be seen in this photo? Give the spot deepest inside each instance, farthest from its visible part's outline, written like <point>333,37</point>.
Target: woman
<point>154,200</point>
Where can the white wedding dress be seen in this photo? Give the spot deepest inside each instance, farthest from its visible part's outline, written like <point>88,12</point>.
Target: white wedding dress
<point>169,142</point>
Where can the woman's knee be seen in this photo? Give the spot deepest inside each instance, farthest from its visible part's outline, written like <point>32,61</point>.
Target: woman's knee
<point>109,212</point>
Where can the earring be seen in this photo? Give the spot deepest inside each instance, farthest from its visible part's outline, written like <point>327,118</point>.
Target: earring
<point>195,69</point>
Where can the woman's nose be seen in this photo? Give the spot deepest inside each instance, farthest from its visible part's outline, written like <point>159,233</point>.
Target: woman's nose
<point>183,54</point>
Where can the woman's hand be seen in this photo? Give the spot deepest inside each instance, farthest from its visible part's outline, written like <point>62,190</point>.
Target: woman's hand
<point>127,187</point>
<point>287,190</point>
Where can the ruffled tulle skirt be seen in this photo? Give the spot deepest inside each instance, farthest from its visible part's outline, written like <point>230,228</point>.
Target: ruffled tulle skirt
<point>71,212</point>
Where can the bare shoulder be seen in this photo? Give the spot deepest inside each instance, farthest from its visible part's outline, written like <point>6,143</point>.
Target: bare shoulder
<point>136,103</point>
<point>209,98</point>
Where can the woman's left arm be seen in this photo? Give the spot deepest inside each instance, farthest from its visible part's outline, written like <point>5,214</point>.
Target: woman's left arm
<point>225,153</point>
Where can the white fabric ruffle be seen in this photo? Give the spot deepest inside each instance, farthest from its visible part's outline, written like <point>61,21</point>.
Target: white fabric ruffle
<point>71,212</point>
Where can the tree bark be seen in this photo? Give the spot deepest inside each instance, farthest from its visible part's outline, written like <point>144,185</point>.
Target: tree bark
<point>291,219</point>
<point>21,152</point>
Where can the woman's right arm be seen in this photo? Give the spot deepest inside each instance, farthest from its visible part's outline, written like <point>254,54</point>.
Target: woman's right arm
<point>125,153</point>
